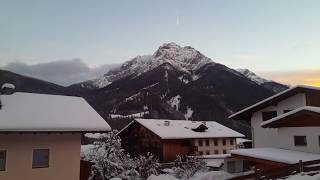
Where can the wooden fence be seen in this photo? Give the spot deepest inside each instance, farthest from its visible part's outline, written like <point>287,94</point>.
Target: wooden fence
<point>282,171</point>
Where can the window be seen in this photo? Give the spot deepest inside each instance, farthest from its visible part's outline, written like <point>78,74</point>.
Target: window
<point>200,153</point>
<point>300,140</point>
<point>200,142</point>
<point>3,159</point>
<point>40,158</point>
<point>319,141</point>
<point>215,141</point>
<point>208,152</point>
<point>224,151</point>
<point>231,141</point>
<point>286,111</point>
<point>207,142</point>
<point>224,142</point>
<point>268,115</point>
<point>216,152</point>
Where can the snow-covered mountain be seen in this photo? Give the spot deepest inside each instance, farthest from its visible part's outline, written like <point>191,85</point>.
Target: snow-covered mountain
<point>269,84</point>
<point>185,59</point>
<point>251,75</point>
<point>174,83</point>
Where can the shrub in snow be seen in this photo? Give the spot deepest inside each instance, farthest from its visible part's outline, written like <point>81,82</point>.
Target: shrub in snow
<point>147,165</point>
<point>186,167</point>
<point>111,161</point>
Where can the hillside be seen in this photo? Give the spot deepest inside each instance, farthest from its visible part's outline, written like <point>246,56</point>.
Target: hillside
<point>32,85</point>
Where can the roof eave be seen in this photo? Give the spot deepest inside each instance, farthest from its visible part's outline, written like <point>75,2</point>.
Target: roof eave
<point>246,113</point>
<point>52,132</point>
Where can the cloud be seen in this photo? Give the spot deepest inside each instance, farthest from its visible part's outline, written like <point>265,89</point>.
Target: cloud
<point>306,77</point>
<point>64,72</point>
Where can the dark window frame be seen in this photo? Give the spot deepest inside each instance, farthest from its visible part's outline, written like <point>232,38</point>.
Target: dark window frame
<point>200,142</point>
<point>231,142</point>
<point>216,151</point>
<point>266,115</point>
<point>207,152</point>
<point>5,159</point>
<point>300,141</point>
<point>207,142</point>
<point>224,151</point>
<point>224,142</point>
<point>215,142</point>
<point>36,153</point>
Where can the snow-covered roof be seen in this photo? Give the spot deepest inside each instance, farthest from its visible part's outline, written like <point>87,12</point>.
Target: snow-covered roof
<point>182,129</point>
<point>277,155</point>
<point>245,113</point>
<point>282,116</point>
<point>29,112</point>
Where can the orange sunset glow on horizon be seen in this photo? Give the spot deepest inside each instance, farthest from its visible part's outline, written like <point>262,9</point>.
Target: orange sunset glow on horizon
<point>299,77</point>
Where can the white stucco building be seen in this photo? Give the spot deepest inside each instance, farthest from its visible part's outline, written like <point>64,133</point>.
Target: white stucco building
<point>40,135</point>
<point>288,121</point>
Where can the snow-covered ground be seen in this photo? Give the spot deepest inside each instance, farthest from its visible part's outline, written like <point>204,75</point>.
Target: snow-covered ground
<point>175,102</point>
<point>212,175</point>
<point>189,113</point>
<point>135,115</point>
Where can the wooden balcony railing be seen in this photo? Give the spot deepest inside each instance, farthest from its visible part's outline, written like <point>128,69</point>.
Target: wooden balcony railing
<point>282,171</point>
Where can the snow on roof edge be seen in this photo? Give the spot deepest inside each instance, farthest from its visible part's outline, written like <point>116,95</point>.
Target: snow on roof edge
<point>236,134</point>
<point>49,113</point>
<point>277,154</point>
<point>271,97</point>
<point>307,108</point>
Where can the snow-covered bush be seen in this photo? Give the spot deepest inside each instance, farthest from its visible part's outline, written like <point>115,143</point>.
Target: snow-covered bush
<point>112,161</point>
<point>147,165</point>
<point>186,167</point>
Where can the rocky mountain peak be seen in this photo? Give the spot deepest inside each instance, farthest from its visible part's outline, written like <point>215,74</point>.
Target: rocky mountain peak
<point>185,59</point>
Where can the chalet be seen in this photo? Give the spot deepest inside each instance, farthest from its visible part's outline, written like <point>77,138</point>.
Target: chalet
<point>40,135</point>
<point>169,138</point>
<point>285,128</point>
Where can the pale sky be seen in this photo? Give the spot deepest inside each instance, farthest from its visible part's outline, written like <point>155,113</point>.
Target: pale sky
<point>268,36</point>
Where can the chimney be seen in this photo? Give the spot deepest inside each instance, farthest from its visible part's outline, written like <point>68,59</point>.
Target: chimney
<point>166,123</point>
<point>7,88</point>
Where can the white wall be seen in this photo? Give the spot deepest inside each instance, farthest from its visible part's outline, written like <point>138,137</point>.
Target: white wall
<point>286,137</point>
<point>64,158</point>
<point>268,137</point>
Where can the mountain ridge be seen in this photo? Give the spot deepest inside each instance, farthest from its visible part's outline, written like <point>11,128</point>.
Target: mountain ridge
<point>173,83</point>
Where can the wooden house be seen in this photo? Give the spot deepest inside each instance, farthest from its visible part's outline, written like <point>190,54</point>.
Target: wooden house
<point>169,138</point>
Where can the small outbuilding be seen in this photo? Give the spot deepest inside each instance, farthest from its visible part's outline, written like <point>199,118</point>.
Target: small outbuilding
<point>40,135</point>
